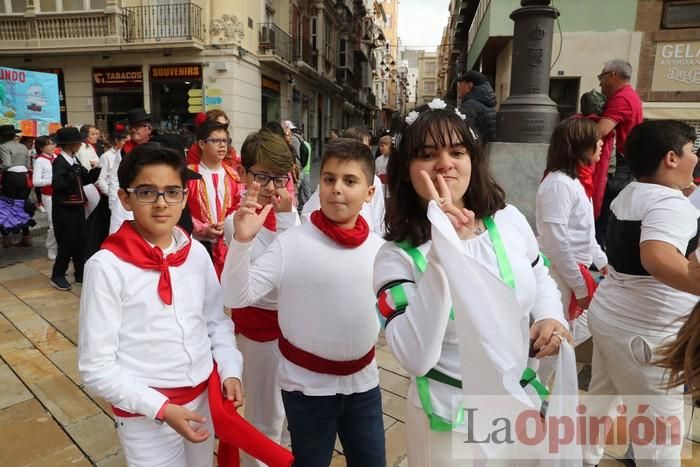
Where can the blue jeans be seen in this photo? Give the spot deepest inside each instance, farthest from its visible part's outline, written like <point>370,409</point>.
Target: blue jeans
<point>313,422</point>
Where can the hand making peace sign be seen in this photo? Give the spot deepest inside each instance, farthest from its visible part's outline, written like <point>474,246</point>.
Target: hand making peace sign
<point>463,219</point>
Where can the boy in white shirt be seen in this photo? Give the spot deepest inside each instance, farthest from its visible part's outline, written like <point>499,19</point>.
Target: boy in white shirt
<point>41,179</point>
<point>383,159</point>
<point>648,291</point>
<point>152,323</point>
<point>266,160</point>
<point>322,274</point>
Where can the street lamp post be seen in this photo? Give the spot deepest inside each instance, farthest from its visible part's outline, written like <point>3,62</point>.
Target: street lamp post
<point>529,115</point>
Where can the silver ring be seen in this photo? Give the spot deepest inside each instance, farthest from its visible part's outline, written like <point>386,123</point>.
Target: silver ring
<point>556,333</point>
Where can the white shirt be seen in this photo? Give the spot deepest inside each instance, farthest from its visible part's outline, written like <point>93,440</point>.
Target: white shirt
<point>118,213</point>
<point>130,341</point>
<point>43,171</point>
<point>380,165</point>
<point>107,166</point>
<point>566,229</point>
<point>421,342</point>
<point>285,221</point>
<point>325,302</point>
<point>87,154</point>
<point>373,212</point>
<point>640,303</point>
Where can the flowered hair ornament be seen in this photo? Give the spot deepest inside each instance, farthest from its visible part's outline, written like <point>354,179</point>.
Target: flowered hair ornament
<point>438,104</point>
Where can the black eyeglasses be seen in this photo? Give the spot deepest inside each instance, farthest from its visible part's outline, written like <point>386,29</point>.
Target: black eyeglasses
<point>150,195</point>
<point>279,181</point>
<point>219,141</point>
<point>600,76</point>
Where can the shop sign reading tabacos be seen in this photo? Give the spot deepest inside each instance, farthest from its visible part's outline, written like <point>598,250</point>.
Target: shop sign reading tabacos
<point>176,72</point>
<point>122,77</point>
<point>677,67</point>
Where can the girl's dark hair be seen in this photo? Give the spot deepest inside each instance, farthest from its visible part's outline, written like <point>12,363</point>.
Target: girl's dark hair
<point>85,130</point>
<point>274,127</point>
<point>209,127</point>
<point>571,140</point>
<point>682,355</point>
<point>147,154</point>
<point>41,142</point>
<point>406,217</point>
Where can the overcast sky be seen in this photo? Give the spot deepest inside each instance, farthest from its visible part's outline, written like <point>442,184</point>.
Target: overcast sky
<point>421,22</point>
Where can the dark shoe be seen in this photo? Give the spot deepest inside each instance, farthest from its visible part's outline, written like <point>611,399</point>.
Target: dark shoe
<point>78,280</point>
<point>26,241</point>
<point>60,283</point>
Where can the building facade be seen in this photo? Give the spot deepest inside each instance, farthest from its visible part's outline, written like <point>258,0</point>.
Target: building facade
<point>305,60</point>
<point>427,85</point>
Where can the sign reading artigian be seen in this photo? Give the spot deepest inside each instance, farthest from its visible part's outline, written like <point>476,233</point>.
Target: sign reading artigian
<point>677,67</point>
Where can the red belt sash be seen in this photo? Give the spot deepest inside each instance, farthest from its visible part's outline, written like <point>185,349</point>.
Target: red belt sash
<point>233,431</point>
<point>47,190</point>
<point>177,396</point>
<point>322,365</point>
<point>574,310</point>
<point>256,323</point>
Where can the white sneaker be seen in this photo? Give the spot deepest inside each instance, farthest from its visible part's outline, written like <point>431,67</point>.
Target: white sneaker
<point>52,255</point>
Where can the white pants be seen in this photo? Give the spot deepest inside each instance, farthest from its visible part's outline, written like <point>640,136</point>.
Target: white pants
<point>147,444</point>
<point>263,396</point>
<point>51,245</point>
<point>621,369</point>
<point>428,448</point>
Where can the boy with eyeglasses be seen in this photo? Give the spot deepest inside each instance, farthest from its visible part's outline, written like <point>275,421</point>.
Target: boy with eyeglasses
<point>266,160</point>
<point>152,322</point>
<point>216,195</point>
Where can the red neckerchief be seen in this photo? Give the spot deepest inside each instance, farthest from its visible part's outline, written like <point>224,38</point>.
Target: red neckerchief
<point>129,246</point>
<point>270,221</point>
<point>128,146</point>
<point>350,238</point>
<point>48,157</point>
<point>585,176</point>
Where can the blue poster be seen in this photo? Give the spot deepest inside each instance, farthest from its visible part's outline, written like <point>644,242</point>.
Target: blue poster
<point>29,95</point>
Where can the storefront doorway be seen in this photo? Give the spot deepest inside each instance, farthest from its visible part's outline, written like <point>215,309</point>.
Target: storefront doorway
<point>172,104</point>
<point>117,90</point>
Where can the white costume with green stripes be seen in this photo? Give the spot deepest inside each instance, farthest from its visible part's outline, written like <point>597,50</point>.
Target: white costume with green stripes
<point>421,334</point>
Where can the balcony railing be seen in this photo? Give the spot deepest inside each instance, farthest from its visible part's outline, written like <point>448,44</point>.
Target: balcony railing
<point>79,30</point>
<point>158,22</point>
<point>274,39</point>
<point>305,52</point>
<point>476,22</point>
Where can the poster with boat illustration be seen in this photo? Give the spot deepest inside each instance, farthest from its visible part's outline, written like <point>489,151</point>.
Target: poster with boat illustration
<point>28,96</point>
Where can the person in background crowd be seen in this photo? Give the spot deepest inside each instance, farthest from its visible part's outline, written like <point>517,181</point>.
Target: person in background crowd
<point>622,112</point>
<point>67,180</point>
<point>359,133</point>
<point>119,137</point>
<point>194,155</point>
<point>648,290</point>
<point>334,134</point>
<point>216,194</point>
<point>302,150</point>
<point>140,129</point>
<point>565,224</point>
<point>477,101</point>
<point>381,161</point>
<point>41,179</point>
<point>14,177</point>
<point>87,155</point>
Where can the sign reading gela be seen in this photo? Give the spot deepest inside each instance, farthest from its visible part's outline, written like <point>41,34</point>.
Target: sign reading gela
<point>677,66</point>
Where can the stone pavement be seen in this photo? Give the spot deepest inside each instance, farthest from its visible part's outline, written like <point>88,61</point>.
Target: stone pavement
<point>48,419</point>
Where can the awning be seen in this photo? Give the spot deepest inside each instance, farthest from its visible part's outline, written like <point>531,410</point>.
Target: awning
<point>672,110</point>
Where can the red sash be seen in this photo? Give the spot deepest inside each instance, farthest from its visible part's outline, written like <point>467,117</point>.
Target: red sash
<point>574,310</point>
<point>46,190</point>
<point>177,396</point>
<point>322,365</point>
<point>256,323</point>
<point>233,431</point>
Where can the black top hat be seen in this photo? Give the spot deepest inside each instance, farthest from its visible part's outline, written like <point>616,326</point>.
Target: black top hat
<point>137,115</point>
<point>7,130</point>
<point>472,76</point>
<point>69,135</point>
